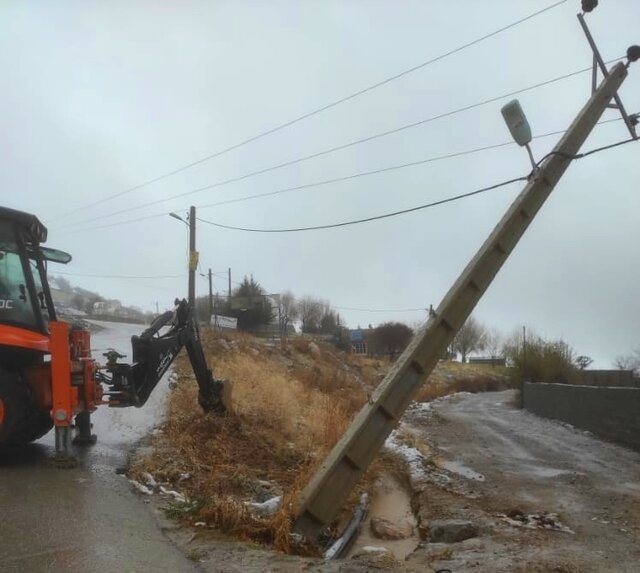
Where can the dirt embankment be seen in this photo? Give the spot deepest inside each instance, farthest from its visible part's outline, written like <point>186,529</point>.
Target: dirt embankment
<point>239,474</point>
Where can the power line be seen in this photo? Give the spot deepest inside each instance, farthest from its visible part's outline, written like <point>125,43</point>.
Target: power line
<point>591,152</point>
<point>420,207</point>
<point>338,147</point>
<point>313,112</point>
<point>120,276</point>
<point>339,179</point>
<point>369,219</point>
<point>379,309</point>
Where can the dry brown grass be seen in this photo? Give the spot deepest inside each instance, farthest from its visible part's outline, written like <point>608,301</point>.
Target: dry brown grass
<point>451,377</point>
<point>288,409</point>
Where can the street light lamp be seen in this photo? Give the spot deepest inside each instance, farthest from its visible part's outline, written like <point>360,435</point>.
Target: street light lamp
<point>176,216</point>
<point>518,125</point>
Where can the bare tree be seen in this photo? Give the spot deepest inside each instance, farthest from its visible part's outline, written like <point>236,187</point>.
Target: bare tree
<point>628,361</point>
<point>583,361</point>
<point>493,343</point>
<point>287,310</point>
<point>310,310</point>
<point>471,337</point>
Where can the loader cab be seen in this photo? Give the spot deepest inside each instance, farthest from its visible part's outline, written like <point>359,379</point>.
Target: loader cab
<point>25,297</point>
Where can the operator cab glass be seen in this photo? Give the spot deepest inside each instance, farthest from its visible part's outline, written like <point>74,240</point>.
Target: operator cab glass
<point>25,298</point>
<point>15,303</point>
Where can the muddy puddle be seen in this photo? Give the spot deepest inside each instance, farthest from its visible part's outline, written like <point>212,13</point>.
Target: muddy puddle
<point>391,501</point>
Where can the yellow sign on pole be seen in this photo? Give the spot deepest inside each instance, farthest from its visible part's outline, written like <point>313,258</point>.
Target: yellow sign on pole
<point>193,260</point>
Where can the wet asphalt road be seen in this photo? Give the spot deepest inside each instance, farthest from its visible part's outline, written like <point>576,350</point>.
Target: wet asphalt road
<point>85,519</point>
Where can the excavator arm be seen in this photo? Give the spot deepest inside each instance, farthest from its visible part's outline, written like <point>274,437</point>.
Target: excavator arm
<point>153,352</point>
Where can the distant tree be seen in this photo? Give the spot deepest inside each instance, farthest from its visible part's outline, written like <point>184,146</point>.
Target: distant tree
<point>628,361</point>
<point>258,309</point>
<point>393,337</point>
<point>471,337</point>
<point>583,362</point>
<point>249,287</point>
<point>78,301</point>
<point>329,320</point>
<point>311,312</point>
<point>493,343</point>
<point>63,284</point>
<point>541,360</point>
<point>287,310</point>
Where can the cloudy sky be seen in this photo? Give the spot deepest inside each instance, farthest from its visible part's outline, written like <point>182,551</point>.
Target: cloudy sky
<point>100,97</point>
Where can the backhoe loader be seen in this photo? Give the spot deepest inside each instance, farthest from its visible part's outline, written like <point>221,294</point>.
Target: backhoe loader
<point>48,377</point>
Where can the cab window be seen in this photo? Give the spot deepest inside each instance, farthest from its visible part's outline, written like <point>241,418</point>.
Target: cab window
<point>15,303</point>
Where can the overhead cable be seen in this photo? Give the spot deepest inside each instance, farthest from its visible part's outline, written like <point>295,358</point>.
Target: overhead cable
<point>337,179</point>
<point>419,207</point>
<point>311,113</point>
<point>379,309</point>
<point>368,219</point>
<point>97,276</point>
<point>333,149</point>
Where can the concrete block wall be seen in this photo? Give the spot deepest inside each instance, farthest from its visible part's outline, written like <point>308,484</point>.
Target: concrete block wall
<point>609,413</point>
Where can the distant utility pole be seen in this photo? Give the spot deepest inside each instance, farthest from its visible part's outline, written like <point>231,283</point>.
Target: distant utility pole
<point>524,353</point>
<point>229,285</point>
<point>320,501</point>
<point>193,256</point>
<point>210,295</point>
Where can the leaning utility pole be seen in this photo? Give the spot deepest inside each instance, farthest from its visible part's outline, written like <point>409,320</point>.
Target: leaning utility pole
<point>193,256</point>
<point>321,500</point>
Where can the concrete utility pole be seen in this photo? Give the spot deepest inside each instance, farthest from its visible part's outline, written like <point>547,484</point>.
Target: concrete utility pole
<point>321,500</point>
<point>193,256</point>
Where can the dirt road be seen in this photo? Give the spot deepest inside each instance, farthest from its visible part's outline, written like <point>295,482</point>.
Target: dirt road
<point>85,519</point>
<point>489,458</point>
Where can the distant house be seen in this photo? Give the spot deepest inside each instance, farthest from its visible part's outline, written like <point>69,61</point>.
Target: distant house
<point>364,342</point>
<point>107,307</point>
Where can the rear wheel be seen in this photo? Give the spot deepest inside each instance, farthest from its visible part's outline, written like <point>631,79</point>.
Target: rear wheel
<point>21,421</point>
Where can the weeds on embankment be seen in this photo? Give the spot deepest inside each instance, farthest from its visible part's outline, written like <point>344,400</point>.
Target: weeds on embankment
<point>290,402</point>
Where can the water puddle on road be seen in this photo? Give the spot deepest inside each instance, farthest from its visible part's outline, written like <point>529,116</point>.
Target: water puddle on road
<point>392,502</point>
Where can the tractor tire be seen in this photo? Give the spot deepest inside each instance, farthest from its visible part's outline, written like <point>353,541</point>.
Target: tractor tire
<point>21,421</point>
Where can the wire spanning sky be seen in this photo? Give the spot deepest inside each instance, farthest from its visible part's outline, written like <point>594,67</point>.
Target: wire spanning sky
<point>100,97</point>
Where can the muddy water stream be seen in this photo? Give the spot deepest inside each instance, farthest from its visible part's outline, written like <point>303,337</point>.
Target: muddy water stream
<point>392,502</point>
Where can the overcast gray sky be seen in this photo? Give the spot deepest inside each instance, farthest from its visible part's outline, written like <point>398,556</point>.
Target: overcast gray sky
<point>101,96</point>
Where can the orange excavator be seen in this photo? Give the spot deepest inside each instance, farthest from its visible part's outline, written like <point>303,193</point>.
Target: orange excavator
<point>48,378</point>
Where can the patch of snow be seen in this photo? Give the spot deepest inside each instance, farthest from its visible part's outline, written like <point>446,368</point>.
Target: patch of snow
<point>174,494</point>
<point>141,488</point>
<point>149,480</point>
<point>374,549</point>
<point>265,508</point>
<point>460,469</point>
<point>411,456</point>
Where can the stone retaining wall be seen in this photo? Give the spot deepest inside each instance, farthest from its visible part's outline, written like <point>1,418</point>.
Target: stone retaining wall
<point>610,413</point>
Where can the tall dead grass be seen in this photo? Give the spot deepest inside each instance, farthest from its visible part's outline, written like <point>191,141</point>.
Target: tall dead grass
<point>288,408</point>
<point>287,411</point>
